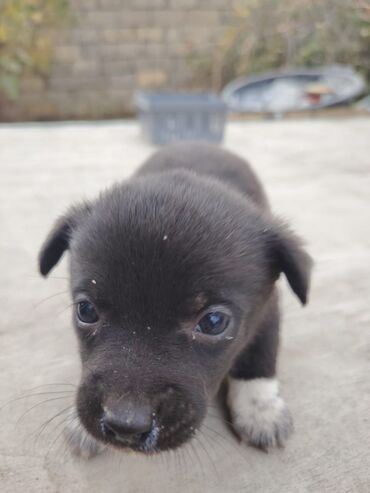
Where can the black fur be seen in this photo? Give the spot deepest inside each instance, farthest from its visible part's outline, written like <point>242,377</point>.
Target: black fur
<point>192,228</point>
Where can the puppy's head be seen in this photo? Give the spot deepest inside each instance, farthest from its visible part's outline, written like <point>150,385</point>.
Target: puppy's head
<point>168,278</point>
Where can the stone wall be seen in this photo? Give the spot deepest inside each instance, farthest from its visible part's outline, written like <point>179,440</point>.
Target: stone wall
<point>113,47</point>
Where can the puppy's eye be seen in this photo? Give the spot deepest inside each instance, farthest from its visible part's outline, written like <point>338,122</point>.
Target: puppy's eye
<point>213,323</point>
<point>86,312</point>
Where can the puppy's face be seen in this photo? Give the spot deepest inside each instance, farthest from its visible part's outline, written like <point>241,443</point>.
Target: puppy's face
<point>168,281</point>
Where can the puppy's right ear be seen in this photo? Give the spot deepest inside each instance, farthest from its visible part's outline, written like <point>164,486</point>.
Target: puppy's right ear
<point>59,237</point>
<point>289,257</point>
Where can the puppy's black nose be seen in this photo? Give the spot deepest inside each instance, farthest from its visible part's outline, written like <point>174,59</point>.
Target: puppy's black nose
<point>128,423</point>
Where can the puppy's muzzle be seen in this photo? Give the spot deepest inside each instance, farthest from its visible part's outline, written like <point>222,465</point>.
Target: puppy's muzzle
<point>129,423</point>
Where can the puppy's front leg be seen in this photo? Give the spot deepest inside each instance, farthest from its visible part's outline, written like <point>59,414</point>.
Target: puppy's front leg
<point>259,415</point>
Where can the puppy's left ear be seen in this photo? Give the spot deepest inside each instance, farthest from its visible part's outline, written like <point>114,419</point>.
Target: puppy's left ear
<point>290,258</point>
<point>59,237</point>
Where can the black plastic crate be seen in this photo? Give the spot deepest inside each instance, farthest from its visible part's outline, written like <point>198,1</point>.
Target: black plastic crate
<point>167,117</point>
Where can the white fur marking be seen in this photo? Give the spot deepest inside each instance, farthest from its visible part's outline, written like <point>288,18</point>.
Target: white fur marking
<point>259,414</point>
<point>80,442</point>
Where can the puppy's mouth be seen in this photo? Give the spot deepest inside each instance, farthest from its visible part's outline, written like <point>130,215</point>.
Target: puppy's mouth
<point>140,442</point>
<point>159,438</point>
<point>173,424</point>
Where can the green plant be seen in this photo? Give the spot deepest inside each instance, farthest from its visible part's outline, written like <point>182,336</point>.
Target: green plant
<point>26,35</point>
<point>269,34</point>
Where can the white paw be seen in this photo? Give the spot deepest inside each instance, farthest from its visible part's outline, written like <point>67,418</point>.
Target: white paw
<point>260,416</point>
<point>80,442</point>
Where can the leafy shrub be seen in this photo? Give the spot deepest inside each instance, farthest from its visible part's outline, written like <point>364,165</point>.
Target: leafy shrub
<point>26,31</point>
<point>268,34</point>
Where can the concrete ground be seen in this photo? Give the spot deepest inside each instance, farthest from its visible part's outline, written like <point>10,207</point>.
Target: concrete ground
<point>317,174</point>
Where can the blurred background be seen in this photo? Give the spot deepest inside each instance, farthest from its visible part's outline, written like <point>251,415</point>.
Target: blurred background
<point>84,59</point>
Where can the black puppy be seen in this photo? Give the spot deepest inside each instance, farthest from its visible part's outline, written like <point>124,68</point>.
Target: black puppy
<point>173,281</point>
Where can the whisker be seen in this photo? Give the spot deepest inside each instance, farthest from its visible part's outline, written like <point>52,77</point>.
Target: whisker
<point>212,440</point>
<point>70,417</point>
<point>52,384</point>
<point>221,418</point>
<point>49,277</point>
<point>208,454</point>
<point>186,451</point>
<point>66,308</point>
<point>73,416</point>
<point>35,394</point>
<point>224,439</point>
<point>49,298</point>
<point>181,460</point>
<point>50,420</point>
<point>177,457</point>
<point>39,404</point>
<point>199,461</point>
<point>35,435</point>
